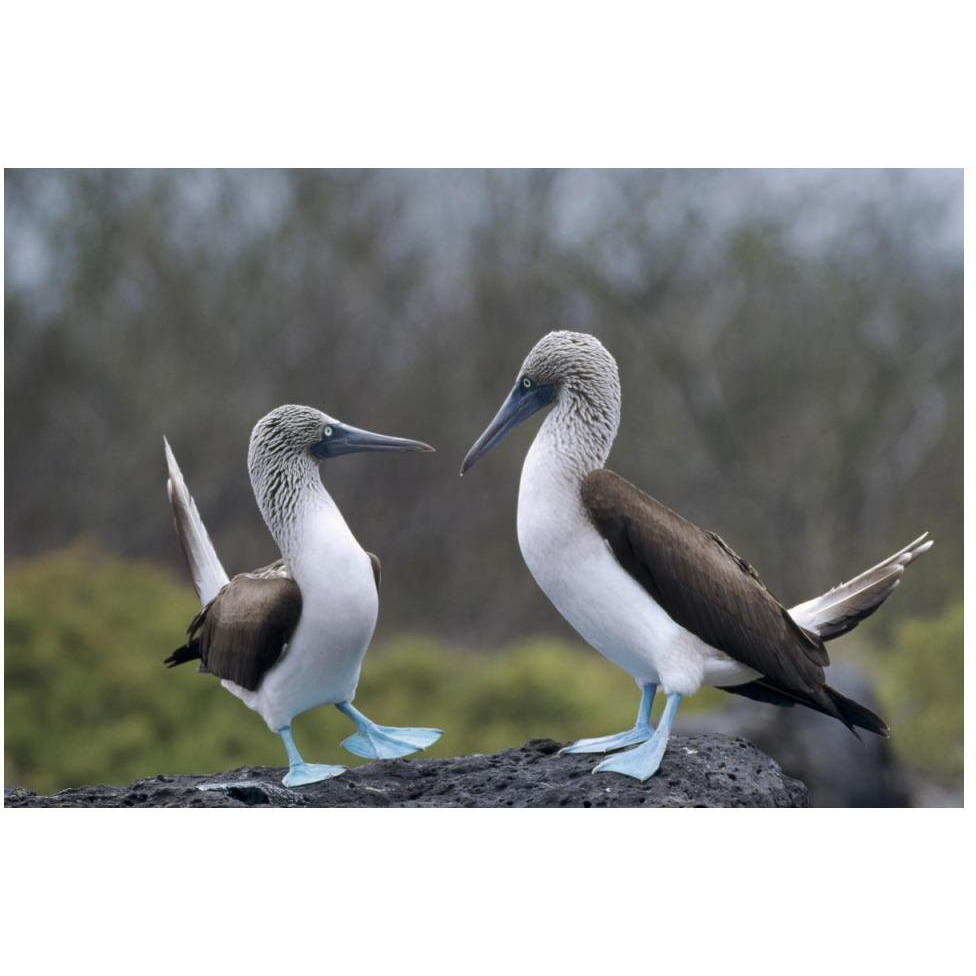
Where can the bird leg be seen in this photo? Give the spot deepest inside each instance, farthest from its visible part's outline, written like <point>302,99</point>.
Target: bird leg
<point>300,772</point>
<point>641,731</point>
<point>374,741</point>
<point>643,762</point>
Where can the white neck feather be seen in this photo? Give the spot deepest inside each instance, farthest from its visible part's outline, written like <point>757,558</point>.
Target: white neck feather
<point>576,437</point>
<point>301,516</point>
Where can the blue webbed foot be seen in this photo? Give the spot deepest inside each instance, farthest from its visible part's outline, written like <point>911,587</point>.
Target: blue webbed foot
<point>640,763</point>
<point>641,731</point>
<point>644,761</point>
<point>374,741</point>
<point>389,742</point>
<point>608,743</point>
<point>304,773</point>
<point>300,773</point>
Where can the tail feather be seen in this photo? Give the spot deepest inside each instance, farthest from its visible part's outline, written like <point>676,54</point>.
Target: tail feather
<point>854,714</point>
<point>206,571</point>
<point>841,609</point>
<point>188,652</point>
<point>827,700</point>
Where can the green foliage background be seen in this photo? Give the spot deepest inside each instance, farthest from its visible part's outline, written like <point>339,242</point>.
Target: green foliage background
<point>88,700</point>
<point>920,683</point>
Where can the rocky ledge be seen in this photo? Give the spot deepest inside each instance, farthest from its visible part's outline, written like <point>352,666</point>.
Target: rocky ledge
<point>698,771</point>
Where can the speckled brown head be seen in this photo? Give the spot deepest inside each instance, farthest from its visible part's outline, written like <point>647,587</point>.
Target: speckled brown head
<point>575,372</point>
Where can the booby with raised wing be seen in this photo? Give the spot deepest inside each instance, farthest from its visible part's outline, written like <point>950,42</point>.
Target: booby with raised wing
<point>292,635</point>
<point>668,602</point>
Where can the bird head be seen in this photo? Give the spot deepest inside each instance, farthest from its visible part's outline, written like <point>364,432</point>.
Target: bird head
<point>572,368</point>
<point>294,433</point>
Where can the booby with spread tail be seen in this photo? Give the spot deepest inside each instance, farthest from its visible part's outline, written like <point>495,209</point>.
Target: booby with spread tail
<point>292,635</point>
<point>668,602</point>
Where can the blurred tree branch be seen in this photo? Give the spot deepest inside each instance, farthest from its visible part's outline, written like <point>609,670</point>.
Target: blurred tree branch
<point>790,348</point>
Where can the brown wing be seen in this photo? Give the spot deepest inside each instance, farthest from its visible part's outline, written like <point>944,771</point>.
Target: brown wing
<point>377,569</point>
<point>703,585</point>
<point>713,593</point>
<point>242,632</point>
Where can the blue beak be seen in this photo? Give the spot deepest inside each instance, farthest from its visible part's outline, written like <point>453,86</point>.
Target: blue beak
<point>344,439</point>
<point>519,406</point>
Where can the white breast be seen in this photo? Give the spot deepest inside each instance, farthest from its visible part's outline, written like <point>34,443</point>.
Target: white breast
<point>322,662</point>
<point>576,569</point>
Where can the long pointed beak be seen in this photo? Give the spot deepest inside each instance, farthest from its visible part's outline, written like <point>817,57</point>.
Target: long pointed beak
<point>351,440</point>
<point>519,406</point>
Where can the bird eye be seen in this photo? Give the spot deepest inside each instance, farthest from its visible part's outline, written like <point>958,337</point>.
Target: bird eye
<point>326,431</point>
<point>526,383</point>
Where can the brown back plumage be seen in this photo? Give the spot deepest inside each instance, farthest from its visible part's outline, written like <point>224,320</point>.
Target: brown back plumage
<point>717,596</point>
<point>241,633</point>
<point>374,561</point>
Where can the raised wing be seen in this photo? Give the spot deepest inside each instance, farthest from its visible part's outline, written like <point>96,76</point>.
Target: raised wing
<point>711,592</point>
<point>242,632</point>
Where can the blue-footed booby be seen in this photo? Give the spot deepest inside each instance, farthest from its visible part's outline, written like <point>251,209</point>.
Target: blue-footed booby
<point>668,602</point>
<point>292,635</point>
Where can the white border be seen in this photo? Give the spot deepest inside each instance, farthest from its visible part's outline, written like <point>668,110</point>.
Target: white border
<point>507,84</point>
<point>704,84</point>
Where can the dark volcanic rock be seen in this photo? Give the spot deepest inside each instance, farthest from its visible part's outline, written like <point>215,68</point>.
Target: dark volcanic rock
<point>698,771</point>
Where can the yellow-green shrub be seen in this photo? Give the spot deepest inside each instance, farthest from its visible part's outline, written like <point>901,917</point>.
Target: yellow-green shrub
<point>88,699</point>
<point>920,682</point>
